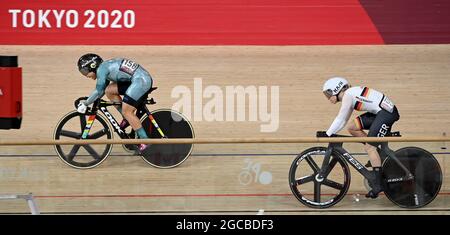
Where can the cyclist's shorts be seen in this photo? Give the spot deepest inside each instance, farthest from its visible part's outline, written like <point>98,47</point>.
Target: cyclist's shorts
<point>135,92</point>
<point>378,124</point>
<point>123,87</point>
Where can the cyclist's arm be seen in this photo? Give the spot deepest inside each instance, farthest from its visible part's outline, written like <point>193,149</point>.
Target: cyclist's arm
<point>99,91</point>
<point>343,116</point>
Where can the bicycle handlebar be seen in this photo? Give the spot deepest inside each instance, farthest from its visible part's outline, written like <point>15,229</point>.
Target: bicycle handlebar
<point>106,103</point>
<point>109,103</point>
<point>323,134</point>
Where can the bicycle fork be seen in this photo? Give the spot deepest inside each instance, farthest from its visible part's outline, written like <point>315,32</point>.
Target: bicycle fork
<point>324,169</point>
<point>88,126</point>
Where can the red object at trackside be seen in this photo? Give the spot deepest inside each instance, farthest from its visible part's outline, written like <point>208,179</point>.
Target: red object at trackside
<point>10,93</point>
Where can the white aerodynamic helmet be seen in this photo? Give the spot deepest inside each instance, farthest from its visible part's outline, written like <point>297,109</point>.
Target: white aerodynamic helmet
<point>334,85</point>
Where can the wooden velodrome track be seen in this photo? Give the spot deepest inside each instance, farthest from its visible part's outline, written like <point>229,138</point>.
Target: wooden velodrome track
<point>414,76</point>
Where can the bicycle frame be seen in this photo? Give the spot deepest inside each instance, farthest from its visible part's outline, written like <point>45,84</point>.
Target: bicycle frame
<point>102,106</point>
<point>328,166</point>
<point>385,153</point>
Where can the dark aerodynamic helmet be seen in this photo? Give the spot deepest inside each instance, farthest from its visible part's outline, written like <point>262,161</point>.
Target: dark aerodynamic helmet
<point>89,63</point>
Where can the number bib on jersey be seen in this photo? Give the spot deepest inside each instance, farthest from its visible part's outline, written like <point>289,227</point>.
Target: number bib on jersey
<point>387,104</point>
<point>128,67</point>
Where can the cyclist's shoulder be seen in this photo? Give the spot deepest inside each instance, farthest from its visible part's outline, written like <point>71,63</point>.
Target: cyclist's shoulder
<point>352,91</point>
<point>120,61</point>
<point>110,64</point>
<point>355,88</point>
<point>113,61</point>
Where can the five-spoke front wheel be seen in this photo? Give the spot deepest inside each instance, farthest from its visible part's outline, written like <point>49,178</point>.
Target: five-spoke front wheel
<point>71,127</point>
<point>311,189</point>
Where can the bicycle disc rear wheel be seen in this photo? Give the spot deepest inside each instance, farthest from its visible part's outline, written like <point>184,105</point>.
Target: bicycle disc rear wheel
<point>173,125</point>
<point>426,182</point>
<point>314,192</point>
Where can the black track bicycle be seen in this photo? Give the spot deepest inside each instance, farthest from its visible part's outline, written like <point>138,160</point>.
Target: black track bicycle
<point>99,123</point>
<point>319,177</point>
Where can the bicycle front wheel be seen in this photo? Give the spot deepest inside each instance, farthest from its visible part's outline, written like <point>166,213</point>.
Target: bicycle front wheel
<point>418,190</point>
<point>174,125</point>
<point>313,191</point>
<point>71,127</point>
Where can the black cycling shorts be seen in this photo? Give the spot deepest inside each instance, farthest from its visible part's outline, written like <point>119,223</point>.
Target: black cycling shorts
<point>378,124</point>
<point>122,87</point>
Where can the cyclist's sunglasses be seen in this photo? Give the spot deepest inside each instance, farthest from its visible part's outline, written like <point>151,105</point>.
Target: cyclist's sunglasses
<point>84,71</point>
<point>328,93</point>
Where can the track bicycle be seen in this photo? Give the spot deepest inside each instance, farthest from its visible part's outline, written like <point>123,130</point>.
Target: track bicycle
<point>99,123</point>
<point>319,177</point>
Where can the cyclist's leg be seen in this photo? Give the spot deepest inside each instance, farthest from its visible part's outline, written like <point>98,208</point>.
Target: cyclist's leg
<point>364,122</point>
<point>375,162</point>
<point>112,92</point>
<point>122,87</point>
<point>360,123</point>
<point>115,90</point>
<point>133,120</point>
<point>380,127</point>
<point>133,97</point>
<point>356,128</point>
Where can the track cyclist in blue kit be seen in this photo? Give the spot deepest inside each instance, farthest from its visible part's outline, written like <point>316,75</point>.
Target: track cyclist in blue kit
<point>381,113</point>
<point>117,77</point>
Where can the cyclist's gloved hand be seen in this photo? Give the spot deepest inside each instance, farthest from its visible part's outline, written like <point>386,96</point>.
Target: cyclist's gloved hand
<point>322,134</point>
<point>81,107</point>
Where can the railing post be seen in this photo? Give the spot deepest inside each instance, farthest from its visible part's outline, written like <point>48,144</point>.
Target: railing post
<point>27,197</point>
